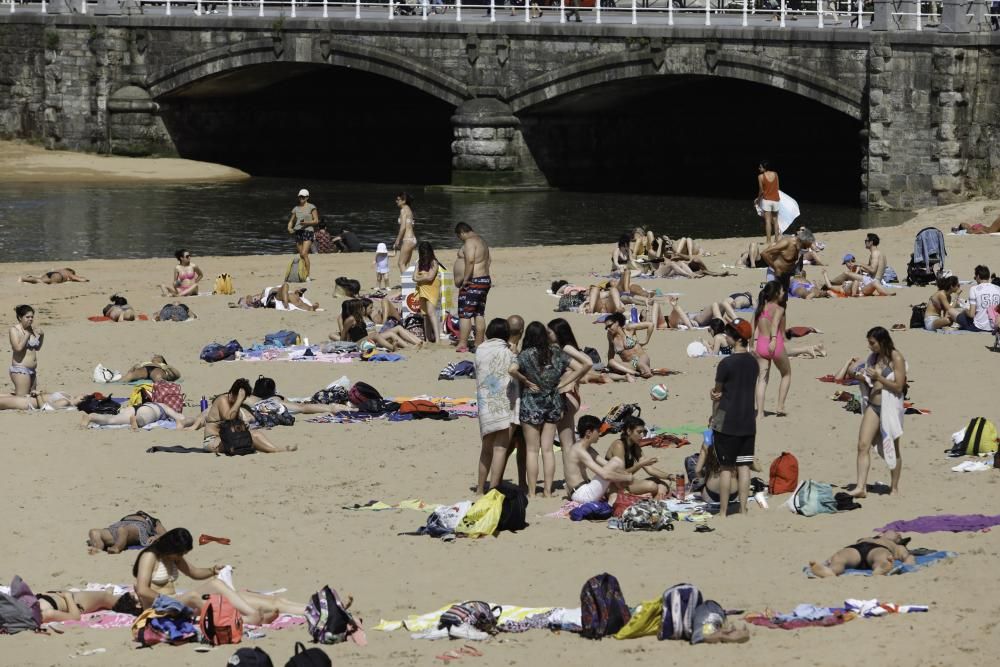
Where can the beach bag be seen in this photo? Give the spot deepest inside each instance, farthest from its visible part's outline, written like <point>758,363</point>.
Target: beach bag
<point>483,517</point>
<point>283,338</point>
<point>220,622</point>
<point>99,404</point>
<point>328,396</point>
<point>784,474</point>
<point>980,438</point>
<point>479,615</point>
<point>235,438</point>
<point>264,387</point>
<point>514,509</point>
<point>19,610</point>
<point>144,633</point>
<point>361,393</point>
<point>170,394</point>
<point>217,352</point>
<point>570,302</point>
<point>679,603</point>
<point>224,285</point>
<point>603,611</point>
<point>308,657</point>
<point>270,413</point>
<point>593,511</point>
<point>322,240</point>
<point>917,316</point>
<point>328,619</point>
<point>812,498</point>
<point>422,409</point>
<point>296,272</point>
<point>645,622</point>
<point>624,500</point>
<point>141,393</point>
<point>614,421</point>
<point>444,520</point>
<point>250,657</point>
<point>647,514</point>
<point>594,355</point>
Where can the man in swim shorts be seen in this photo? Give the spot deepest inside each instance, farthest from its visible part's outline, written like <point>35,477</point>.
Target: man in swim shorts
<point>581,457</point>
<point>474,285</point>
<point>785,256</point>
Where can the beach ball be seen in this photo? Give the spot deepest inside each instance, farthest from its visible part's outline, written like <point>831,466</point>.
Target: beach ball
<point>367,347</point>
<point>658,392</point>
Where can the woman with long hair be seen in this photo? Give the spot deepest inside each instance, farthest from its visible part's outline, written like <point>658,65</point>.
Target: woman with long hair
<point>428,280</point>
<point>406,239</point>
<point>625,353</point>
<point>187,275</point>
<point>883,385</point>
<point>26,340</point>
<point>541,369</point>
<point>768,345</point>
<point>230,406</point>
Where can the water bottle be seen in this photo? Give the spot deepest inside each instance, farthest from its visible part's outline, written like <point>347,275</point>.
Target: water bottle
<point>635,315</point>
<point>204,404</point>
<point>679,489</point>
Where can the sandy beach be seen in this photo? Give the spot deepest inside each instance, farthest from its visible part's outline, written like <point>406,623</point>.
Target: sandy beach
<point>284,512</point>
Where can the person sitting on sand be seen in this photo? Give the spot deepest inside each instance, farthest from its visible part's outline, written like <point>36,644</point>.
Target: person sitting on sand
<point>159,565</point>
<point>136,529</point>
<point>39,400</point>
<point>119,310</point>
<point>800,287</point>
<point>55,277</point>
<point>978,228</point>
<point>942,307</point>
<point>174,312</point>
<point>137,416</point>
<point>71,605</point>
<point>717,343</point>
<point>563,336</point>
<point>709,470</point>
<point>877,554</point>
<point>751,259</point>
<point>625,353</point>
<point>626,453</point>
<point>229,406</point>
<point>187,275</point>
<point>581,457</point>
<point>622,259</point>
<point>391,335</point>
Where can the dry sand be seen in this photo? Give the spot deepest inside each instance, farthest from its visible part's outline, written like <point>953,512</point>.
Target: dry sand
<point>283,512</point>
<point>26,163</point>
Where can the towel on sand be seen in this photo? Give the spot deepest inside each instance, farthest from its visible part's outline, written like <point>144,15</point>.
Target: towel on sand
<point>955,523</point>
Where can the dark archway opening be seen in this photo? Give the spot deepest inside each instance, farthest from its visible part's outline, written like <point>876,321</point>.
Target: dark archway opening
<point>296,119</point>
<point>695,136</point>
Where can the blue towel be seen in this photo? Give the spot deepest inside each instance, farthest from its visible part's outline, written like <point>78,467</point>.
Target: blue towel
<point>899,568</point>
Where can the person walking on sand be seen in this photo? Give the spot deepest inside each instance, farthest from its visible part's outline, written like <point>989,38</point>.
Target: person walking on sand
<point>769,345</point>
<point>734,428</point>
<point>25,341</point>
<point>474,285</point>
<point>883,385</point>
<point>187,275</point>
<point>406,239</point>
<point>302,223</point>
<point>767,199</point>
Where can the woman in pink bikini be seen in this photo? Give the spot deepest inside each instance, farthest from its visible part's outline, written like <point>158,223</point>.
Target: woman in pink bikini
<point>769,345</point>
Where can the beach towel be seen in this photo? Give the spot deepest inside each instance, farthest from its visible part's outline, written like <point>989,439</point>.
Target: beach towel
<point>683,429</point>
<point>408,504</point>
<point>108,620</point>
<point>101,318</point>
<point>177,449</point>
<point>834,380</point>
<point>940,523</point>
<point>835,618</point>
<point>162,423</point>
<point>496,393</point>
<point>922,561</point>
<point>429,621</point>
<point>457,369</point>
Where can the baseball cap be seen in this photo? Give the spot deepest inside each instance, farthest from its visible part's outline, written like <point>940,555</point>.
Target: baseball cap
<point>303,192</point>
<point>381,249</point>
<point>847,258</point>
<point>742,327</point>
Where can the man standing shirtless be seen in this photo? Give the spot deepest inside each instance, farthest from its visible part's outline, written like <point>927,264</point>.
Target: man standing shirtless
<point>785,256</point>
<point>472,277</point>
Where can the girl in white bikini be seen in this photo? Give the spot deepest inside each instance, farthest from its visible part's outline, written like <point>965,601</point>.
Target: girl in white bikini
<point>406,239</point>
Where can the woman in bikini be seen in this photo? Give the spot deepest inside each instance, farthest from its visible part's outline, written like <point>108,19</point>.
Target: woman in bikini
<point>625,353</point>
<point>942,309</point>
<point>877,554</point>
<point>136,529</point>
<point>801,288</point>
<point>156,370</point>
<point>55,277</point>
<point>119,310</point>
<point>428,279</point>
<point>628,452</point>
<point>38,400</point>
<point>768,345</point>
<point>159,566</point>
<point>187,275</point>
<point>884,371</point>
<point>710,472</point>
<point>25,341</point>
<point>406,239</point>
<point>230,406</point>
<point>138,416</point>
<point>71,605</point>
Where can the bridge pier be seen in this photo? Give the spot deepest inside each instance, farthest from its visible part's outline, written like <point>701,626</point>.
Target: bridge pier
<point>488,149</point>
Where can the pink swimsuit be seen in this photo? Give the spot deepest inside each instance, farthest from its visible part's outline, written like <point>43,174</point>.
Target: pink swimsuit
<point>764,343</point>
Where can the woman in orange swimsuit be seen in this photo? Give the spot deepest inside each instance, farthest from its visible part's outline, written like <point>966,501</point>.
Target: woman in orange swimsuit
<point>769,345</point>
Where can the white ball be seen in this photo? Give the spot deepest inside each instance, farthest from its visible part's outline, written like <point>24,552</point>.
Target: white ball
<point>696,349</point>
<point>658,392</point>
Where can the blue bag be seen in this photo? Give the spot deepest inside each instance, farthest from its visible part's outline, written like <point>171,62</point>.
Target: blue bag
<point>591,511</point>
<point>283,338</point>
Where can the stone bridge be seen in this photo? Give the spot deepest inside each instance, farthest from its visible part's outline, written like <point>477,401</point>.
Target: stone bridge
<point>924,103</point>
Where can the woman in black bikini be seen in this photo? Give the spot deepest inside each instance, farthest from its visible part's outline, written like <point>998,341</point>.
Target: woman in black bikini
<point>70,605</point>
<point>138,416</point>
<point>156,370</point>
<point>877,554</point>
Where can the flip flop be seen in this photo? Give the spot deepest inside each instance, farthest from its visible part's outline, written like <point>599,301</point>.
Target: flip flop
<point>899,327</point>
<point>471,650</point>
<point>448,657</point>
<point>461,349</point>
<point>205,539</point>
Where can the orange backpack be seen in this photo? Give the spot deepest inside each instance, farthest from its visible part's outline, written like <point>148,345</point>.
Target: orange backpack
<point>221,622</point>
<point>784,474</point>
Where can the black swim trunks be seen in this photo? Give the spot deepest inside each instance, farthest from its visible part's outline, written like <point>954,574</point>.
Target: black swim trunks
<point>734,450</point>
<point>472,297</point>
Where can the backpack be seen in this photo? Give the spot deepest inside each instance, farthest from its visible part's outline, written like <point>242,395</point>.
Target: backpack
<point>19,611</point>
<point>270,413</point>
<point>479,615</point>
<point>980,438</point>
<point>296,272</point>
<point>217,352</point>
<point>221,622</point>
<point>647,514</point>
<point>235,438</point>
<point>308,657</point>
<point>421,409</point>
<point>515,507</point>
<point>679,603</point>
<point>917,316</point>
<point>170,394</point>
<point>283,338</point>
<point>250,657</point>
<point>594,355</point>
<point>328,619</point>
<point>784,474</point>
<point>99,404</point>
<point>812,498</point>
<point>603,611</point>
<point>224,284</point>
<point>264,387</point>
<point>360,393</point>
<point>614,421</point>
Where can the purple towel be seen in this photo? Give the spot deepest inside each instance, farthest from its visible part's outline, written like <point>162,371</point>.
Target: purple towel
<point>955,523</point>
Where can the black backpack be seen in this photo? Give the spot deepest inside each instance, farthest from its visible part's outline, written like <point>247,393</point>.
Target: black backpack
<point>308,657</point>
<point>515,506</point>
<point>917,316</point>
<point>264,387</point>
<point>93,405</point>
<point>361,393</point>
<point>235,438</point>
<point>250,657</point>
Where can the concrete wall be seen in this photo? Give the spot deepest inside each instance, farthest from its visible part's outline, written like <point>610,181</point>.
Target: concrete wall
<point>927,100</point>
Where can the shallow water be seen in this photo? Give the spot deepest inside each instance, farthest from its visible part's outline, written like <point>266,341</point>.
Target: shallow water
<point>84,221</point>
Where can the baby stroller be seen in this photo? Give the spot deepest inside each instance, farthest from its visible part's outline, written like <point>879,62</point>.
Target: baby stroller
<point>928,252</point>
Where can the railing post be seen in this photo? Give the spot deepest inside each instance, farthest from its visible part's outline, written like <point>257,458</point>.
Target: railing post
<point>357,10</point>
<point>424,4</point>
<point>562,11</point>
<point>260,11</point>
<point>197,7</point>
<point>229,7</point>
<point>168,7</point>
<point>744,13</point>
<point>326,14</point>
<point>819,12</point>
<point>83,6</point>
<point>861,14</point>
<point>11,6</point>
<point>391,9</point>
<point>493,11</point>
<point>634,20</point>
<point>43,7</point>
<point>782,22</point>
<point>293,8</point>
<point>920,26</point>
<point>670,12</point>
<point>708,12</point>
<point>597,10</point>
<point>458,10</point>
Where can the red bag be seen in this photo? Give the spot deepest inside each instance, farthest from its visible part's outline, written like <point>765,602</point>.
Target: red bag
<point>170,394</point>
<point>419,406</point>
<point>624,500</point>
<point>220,622</point>
<point>784,474</point>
